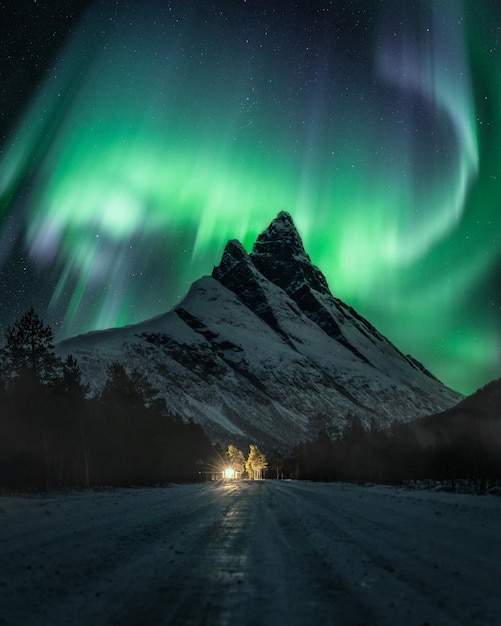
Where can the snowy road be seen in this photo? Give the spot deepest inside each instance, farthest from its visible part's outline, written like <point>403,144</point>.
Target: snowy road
<point>251,553</point>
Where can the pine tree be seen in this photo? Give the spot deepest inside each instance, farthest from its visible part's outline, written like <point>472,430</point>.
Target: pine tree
<point>30,371</point>
<point>256,463</point>
<point>29,351</point>
<point>236,460</point>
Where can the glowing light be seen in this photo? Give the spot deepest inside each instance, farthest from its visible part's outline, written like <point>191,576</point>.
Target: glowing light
<point>229,473</point>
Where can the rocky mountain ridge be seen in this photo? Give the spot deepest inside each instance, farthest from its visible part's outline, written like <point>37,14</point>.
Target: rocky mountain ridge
<point>260,349</point>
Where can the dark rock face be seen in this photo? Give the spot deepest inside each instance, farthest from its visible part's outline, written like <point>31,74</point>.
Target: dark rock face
<point>280,256</point>
<point>237,273</point>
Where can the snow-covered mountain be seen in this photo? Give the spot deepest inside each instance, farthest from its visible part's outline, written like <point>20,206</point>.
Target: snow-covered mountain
<point>260,348</point>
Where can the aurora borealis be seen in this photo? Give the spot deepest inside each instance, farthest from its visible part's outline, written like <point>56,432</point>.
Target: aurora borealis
<point>162,129</point>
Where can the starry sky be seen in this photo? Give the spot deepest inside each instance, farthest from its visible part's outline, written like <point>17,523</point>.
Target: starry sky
<point>136,138</point>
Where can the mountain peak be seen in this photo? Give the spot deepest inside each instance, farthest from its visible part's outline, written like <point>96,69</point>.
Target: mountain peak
<point>234,255</point>
<point>281,239</point>
<point>280,256</point>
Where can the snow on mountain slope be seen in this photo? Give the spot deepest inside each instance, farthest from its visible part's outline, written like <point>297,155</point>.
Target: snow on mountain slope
<point>261,347</point>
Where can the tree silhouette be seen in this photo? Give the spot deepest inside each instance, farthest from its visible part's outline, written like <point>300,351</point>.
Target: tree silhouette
<point>30,371</point>
<point>70,411</point>
<point>29,350</point>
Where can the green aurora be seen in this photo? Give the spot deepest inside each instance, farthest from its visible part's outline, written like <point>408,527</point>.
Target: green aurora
<point>160,134</point>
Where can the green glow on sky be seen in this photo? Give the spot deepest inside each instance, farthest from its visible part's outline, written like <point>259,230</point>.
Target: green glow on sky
<point>138,177</point>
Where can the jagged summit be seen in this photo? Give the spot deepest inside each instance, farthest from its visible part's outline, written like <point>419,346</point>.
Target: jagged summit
<point>279,255</point>
<point>234,255</point>
<point>281,239</point>
<point>279,260</point>
<point>236,270</point>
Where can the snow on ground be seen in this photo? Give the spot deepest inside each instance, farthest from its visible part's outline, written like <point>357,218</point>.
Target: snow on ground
<point>251,553</point>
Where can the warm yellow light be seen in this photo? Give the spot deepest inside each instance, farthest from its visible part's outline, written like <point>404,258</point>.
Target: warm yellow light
<point>229,473</point>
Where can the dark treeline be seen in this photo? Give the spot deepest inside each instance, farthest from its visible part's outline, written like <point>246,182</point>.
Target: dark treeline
<point>451,447</point>
<point>52,435</point>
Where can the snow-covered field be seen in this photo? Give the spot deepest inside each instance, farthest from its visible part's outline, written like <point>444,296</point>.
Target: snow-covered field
<point>251,553</point>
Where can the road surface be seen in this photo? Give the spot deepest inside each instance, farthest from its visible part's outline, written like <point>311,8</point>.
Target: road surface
<point>243,553</point>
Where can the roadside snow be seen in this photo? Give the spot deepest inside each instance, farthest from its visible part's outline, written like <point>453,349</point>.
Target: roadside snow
<point>251,553</point>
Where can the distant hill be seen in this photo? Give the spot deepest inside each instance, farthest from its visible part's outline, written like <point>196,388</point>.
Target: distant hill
<point>473,422</point>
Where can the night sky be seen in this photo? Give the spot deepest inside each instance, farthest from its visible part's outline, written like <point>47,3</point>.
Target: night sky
<point>138,137</point>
